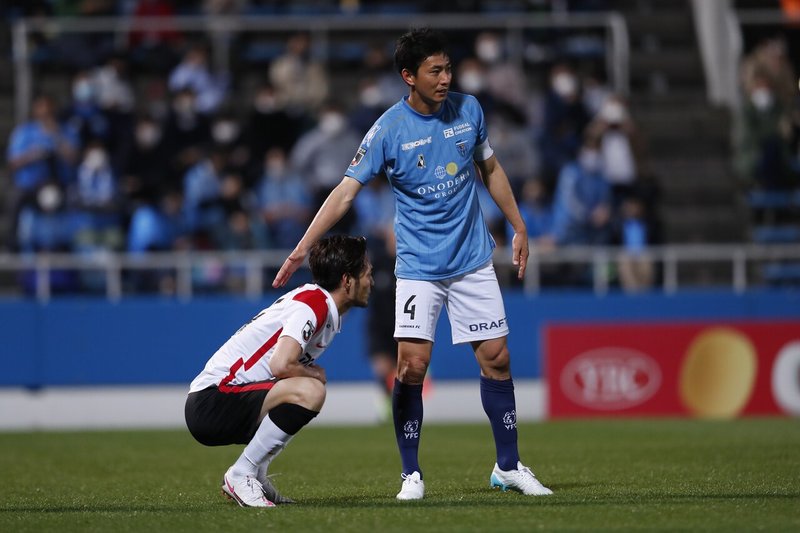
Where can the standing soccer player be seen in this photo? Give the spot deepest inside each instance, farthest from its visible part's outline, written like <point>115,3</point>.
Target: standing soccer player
<point>263,385</point>
<point>429,145</point>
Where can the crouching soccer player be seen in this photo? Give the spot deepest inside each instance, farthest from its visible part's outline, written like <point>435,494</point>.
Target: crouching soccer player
<point>263,385</point>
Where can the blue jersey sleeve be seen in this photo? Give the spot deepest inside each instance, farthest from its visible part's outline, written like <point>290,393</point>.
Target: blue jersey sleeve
<point>368,160</point>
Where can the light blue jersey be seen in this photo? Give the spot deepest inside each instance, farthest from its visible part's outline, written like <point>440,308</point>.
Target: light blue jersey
<point>428,160</point>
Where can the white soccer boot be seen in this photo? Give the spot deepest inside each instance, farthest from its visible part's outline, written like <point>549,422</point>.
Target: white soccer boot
<point>244,490</point>
<point>413,487</point>
<point>520,480</point>
<point>272,494</point>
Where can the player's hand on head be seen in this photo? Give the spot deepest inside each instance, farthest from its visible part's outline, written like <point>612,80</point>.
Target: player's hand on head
<point>289,267</point>
<point>519,246</point>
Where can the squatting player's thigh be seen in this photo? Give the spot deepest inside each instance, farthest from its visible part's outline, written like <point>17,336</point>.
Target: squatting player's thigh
<point>417,307</point>
<point>475,306</point>
<point>217,418</point>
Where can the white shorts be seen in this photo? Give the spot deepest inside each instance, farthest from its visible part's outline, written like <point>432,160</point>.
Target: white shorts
<point>474,306</point>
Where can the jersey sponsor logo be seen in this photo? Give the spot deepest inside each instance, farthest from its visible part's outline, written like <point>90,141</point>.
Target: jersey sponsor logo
<point>371,135</point>
<point>421,161</point>
<point>440,172</point>
<point>486,326</point>
<point>415,144</point>
<point>308,330</point>
<point>444,188</point>
<point>462,148</point>
<point>464,127</point>
<point>358,157</point>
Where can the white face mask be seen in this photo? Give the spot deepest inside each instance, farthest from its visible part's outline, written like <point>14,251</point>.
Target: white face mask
<point>147,135</point>
<point>489,50</point>
<point>331,123</point>
<point>82,91</point>
<point>762,98</point>
<point>370,96</point>
<point>565,85</point>
<point>95,158</point>
<point>613,112</point>
<point>49,198</point>
<point>225,131</point>
<point>590,160</point>
<point>471,81</point>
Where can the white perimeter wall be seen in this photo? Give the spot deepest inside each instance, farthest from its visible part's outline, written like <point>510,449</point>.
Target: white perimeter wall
<point>162,406</point>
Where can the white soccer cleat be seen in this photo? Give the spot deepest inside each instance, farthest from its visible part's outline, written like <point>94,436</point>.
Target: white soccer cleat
<point>519,480</point>
<point>244,490</point>
<point>413,487</point>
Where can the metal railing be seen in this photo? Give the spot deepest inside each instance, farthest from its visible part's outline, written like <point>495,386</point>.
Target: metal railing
<point>321,29</point>
<point>251,266</point>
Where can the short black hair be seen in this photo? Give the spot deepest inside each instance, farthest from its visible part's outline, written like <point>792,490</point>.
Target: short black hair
<point>415,46</point>
<point>337,255</point>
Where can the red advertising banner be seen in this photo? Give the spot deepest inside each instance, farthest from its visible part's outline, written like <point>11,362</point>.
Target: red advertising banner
<point>673,369</point>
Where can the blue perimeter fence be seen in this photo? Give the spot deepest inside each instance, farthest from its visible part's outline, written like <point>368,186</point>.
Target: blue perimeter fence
<point>149,341</point>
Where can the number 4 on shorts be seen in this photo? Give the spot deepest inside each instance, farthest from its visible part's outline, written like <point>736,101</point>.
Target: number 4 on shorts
<point>410,309</point>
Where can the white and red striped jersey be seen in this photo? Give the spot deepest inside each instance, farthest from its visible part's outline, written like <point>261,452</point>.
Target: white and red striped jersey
<point>307,314</point>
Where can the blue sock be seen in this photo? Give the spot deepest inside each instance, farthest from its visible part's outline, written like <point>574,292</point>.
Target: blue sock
<point>407,411</point>
<point>498,402</point>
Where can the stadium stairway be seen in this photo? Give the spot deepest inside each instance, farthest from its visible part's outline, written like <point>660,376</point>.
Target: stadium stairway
<point>688,140</point>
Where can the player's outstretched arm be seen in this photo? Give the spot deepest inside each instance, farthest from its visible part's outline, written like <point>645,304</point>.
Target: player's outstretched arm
<point>336,205</point>
<point>498,186</point>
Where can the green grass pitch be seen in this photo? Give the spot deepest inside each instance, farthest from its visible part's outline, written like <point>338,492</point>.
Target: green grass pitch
<point>672,475</point>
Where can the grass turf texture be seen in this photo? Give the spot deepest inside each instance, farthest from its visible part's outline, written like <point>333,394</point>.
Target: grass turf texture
<point>607,475</point>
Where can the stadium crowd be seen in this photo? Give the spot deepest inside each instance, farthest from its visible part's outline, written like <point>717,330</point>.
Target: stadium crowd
<point>192,161</point>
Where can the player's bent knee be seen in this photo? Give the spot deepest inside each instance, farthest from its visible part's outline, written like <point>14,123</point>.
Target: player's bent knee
<point>307,392</point>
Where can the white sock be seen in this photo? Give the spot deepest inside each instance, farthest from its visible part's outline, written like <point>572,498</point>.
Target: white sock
<point>266,444</point>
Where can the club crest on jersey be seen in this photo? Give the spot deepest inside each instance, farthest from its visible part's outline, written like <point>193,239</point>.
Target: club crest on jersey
<point>462,148</point>
<point>308,330</point>
<point>358,157</point>
<point>420,161</point>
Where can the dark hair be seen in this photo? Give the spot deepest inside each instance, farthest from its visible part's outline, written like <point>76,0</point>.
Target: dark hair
<point>415,46</point>
<point>332,257</point>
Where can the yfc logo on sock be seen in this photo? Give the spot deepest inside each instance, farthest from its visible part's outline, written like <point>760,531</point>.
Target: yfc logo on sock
<point>411,429</point>
<point>510,420</point>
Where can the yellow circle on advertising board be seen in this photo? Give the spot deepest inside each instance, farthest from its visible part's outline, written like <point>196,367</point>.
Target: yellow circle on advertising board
<point>718,373</point>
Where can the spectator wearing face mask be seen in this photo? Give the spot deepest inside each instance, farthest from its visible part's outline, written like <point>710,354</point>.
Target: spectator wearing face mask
<point>505,81</point>
<point>194,72</point>
<point>268,126</point>
<point>300,80</point>
<point>582,203</point>
<point>564,120</point>
<point>147,170</point>
<point>284,200</point>
<point>619,147</point>
<point>761,137</point>
<point>471,78</point>
<point>96,216</point>
<point>202,193</point>
<point>186,132</point>
<point>41,153</point>
<point>320,153</point>
<point>83,114</point>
